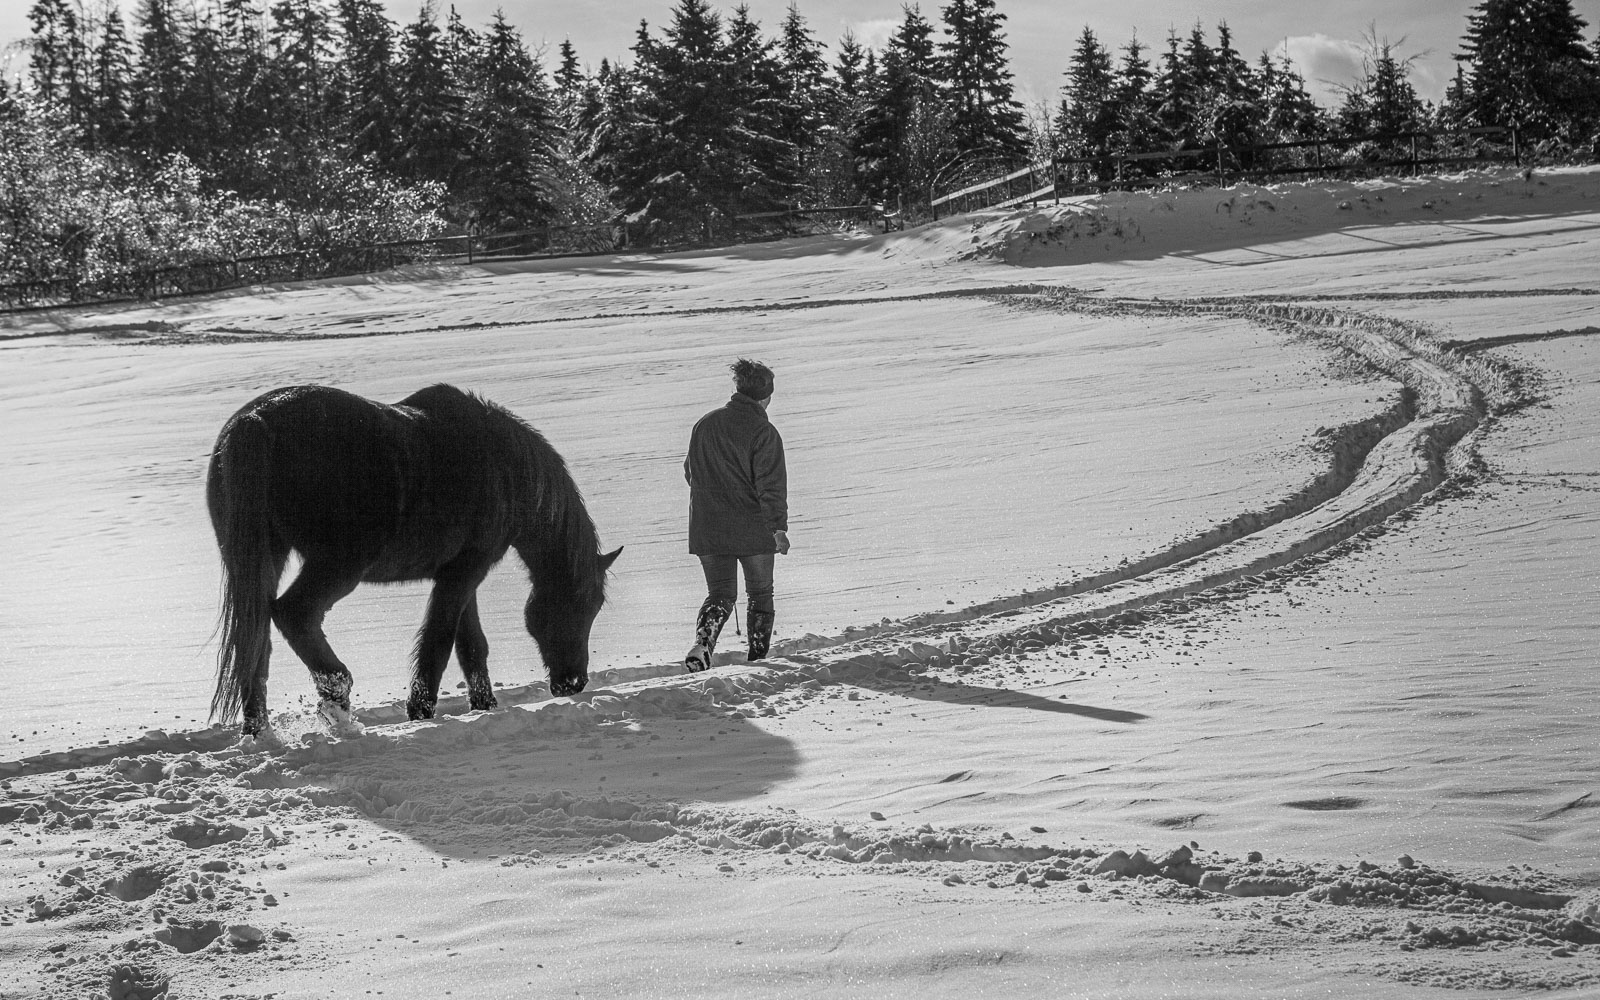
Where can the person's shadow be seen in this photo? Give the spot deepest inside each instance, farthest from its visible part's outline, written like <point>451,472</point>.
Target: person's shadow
<point>930,688</point>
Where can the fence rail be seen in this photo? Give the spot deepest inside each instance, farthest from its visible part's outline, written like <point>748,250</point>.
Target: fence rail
<point>1222,163</point>
<point>198,276</point>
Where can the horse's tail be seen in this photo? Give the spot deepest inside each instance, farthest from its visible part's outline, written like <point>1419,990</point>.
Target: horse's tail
<point>236,493</point>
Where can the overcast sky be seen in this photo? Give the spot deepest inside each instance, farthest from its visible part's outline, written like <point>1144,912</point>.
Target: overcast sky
<point>1324,37</point>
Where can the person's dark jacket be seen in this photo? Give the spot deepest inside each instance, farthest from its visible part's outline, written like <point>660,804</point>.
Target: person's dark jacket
<point>738,486</point>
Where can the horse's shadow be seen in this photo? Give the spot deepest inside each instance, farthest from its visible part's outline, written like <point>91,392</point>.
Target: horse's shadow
<point>469,794</point>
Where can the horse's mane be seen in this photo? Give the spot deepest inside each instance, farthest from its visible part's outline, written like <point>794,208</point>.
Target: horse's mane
<point>558,535</point>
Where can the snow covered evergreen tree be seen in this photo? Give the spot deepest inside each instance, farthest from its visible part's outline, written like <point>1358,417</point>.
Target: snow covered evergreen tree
<point>977,79</point>
<point>1087,121</point>
<point>1527,65</point>
<point>364,90</point>
<point>112,74</point>
<point>1136,126</point>
<point>902,141</point>
<point>432,141</point>
<point>300,39</point>
<point>159,80</point>
<point>511,119</point>
<point>1178,97</point>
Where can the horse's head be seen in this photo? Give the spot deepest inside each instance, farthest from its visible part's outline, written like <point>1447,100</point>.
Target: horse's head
<point>559,621</point>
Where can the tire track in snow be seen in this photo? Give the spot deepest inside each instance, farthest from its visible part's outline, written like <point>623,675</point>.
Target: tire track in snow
<point>1378,467</point>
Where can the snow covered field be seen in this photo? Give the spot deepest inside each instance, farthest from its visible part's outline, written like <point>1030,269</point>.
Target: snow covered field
<point>1248,534</point>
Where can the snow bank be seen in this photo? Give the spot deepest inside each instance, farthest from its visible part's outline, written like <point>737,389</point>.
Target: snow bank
<point>1136,225</point>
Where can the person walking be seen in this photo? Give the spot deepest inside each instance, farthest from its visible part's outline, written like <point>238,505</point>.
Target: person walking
<point>738,510</point>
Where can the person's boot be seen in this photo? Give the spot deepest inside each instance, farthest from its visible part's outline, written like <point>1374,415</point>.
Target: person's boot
<point>759,626</point>
<point>713,615</point>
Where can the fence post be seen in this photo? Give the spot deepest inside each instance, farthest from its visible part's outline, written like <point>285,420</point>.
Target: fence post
<point>1413,156</point>
<point>1516,146</point>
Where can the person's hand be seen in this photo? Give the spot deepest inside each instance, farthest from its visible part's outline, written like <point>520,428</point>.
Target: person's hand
<point>782,538</point>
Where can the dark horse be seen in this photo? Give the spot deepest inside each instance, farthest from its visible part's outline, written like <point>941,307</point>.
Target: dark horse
<point>438,487</point>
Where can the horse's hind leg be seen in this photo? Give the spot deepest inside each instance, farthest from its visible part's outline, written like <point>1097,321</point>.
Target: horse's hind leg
<point>256,722</point>
<point>454,593</point>
<point>298,615</point>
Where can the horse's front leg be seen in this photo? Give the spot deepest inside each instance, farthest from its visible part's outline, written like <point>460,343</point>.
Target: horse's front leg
<point>454,591</point>
<point>472,652</point>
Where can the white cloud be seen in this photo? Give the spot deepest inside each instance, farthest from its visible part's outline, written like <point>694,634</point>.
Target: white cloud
<point>1331,63</point>
<point>874,34</point>
<point>1326,63</point>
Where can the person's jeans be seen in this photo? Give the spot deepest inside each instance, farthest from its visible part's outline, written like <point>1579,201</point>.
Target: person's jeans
<point>722,578</point>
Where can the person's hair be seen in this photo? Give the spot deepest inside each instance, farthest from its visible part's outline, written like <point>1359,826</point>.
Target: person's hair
<point>752,378</point>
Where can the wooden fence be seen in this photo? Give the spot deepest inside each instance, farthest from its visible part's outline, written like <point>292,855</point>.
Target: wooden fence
<point>1221,164</point>
<point>194,277</point>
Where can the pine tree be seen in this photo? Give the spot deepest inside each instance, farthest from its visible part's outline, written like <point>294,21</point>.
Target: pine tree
<point>675,161</point>
<point>1233,107</point>
<point>58,55</point>
<point>570,86</point>
<point>250,113</point>
<point>1383,102</point>
<point>111,79</point>
<point>614,129</point>
<point>1178,96</point>
<point>1200,62</point>
<point>1291,113</point>
<point>1528,66</point>
<point>462,47</point>
<point>1087,120</point>
<point>431,141</point>
<point>204,106</point>
<point>301,39</point>
<point>984,114</point>
<point>770,133</point>
<point>1136,129</point>
<point>811,105</point>
<point>849,67</point>
<point>159,81</point>
<point>896,153</point>
<point>364,100</point>
<point>512,118</point>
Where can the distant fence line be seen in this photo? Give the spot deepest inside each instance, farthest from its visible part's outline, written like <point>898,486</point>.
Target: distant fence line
<point>1220,164</point>
<point>197,277</point>
<point>194,277</point>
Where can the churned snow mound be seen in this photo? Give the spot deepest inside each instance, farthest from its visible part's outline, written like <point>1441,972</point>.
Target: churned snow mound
<point>1145,224</point>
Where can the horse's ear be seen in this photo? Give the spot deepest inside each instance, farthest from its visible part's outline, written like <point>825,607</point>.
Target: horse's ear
<point>609,558</point>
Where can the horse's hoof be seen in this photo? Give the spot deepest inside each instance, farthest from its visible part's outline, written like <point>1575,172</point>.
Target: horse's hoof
<point>263,740</point>
<point>337,720</point>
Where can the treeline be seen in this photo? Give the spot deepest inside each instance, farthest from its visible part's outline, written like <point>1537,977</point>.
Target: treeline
<point>261,124</point>
<point>711,112</point>
<point>1524,64</point>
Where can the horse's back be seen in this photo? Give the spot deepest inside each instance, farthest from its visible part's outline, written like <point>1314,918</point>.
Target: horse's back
<point>337,466</point>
